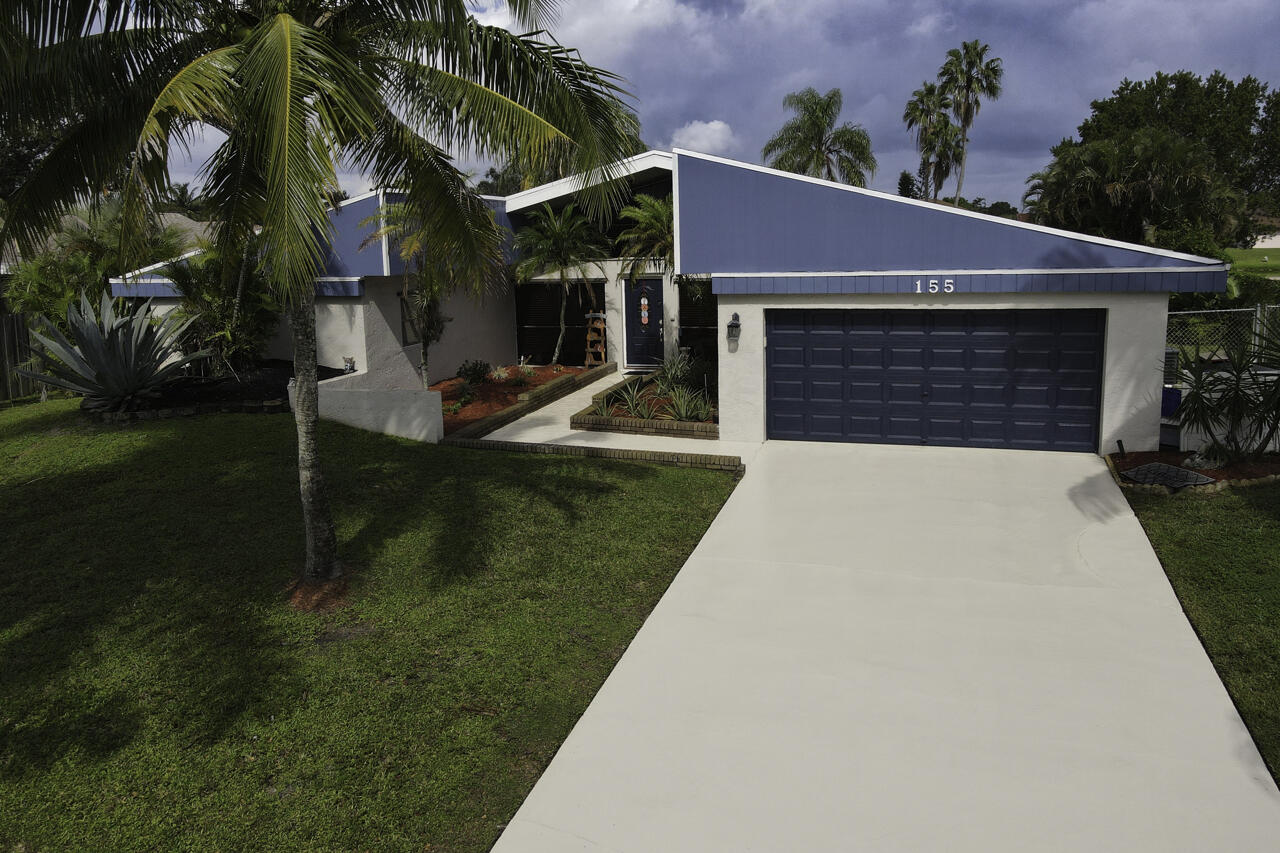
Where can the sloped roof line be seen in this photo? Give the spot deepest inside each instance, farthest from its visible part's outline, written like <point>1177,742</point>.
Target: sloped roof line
<point>953,211</point>
<point>652,159</point>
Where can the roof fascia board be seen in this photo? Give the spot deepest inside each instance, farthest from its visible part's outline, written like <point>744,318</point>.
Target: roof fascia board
<point>574,183</point>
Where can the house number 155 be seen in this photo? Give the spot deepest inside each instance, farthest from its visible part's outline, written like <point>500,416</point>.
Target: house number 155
<point>948,286</point>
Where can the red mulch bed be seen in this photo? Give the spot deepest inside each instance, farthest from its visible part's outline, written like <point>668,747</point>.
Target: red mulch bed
<point>1251,470</point>
<point>489,397</point>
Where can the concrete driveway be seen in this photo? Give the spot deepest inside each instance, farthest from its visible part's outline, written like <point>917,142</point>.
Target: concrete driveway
<point>911,649</point>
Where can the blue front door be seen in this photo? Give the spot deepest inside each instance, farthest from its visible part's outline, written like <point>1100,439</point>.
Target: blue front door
<point>644,322</point>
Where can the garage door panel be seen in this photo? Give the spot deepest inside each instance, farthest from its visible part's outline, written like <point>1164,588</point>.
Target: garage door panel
<point>981,377</point>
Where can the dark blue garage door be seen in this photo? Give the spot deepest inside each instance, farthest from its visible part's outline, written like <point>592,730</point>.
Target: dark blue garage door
<point>1026,379</point>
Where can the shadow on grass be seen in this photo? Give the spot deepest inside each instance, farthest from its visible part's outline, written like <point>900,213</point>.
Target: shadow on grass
<point>146,586</point>
<point>124,599</point>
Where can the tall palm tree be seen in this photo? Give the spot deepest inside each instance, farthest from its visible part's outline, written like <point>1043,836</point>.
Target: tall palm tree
<point>811,144</point>
<point>297,87</point>
<point>650,242</point>
<point>562,242</point>
<point>925,113</point>
<point>966,77</point>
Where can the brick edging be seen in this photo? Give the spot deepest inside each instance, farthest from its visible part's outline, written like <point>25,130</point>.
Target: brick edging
<point>586,420</point>
<point>710,461</point>
<point>1204,488</point>
<point>248,407</point>
<point>572,381</point>
<point>519,409</point>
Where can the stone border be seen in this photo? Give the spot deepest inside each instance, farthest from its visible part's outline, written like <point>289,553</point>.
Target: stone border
<point>552,391</point>
<point>589,421</point>
<point>586,420</point>
<point>710,461</point>
<point>1205,488</point>
<point>248,407</point>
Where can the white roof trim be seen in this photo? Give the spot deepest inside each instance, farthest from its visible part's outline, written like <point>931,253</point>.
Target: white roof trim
<point>572,184</point>
<point>124,279</point>
<point>355,198</point>
<point>865,273</point>
<point>954,211</point>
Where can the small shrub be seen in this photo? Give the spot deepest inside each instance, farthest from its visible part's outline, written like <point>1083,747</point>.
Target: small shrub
<point>637,402</point>
<point>520,380</point>
<point>452,408</point>
<point>674,373</point>
<point>474,371</point>
<point>603,406</point>
<point>466,392</point>
<point>527,371</point>
<point>557,369</point>
<point>686,404</point>
<point>499,374</point>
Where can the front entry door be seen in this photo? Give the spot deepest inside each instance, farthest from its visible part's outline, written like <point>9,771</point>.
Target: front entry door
<point>644,322</point>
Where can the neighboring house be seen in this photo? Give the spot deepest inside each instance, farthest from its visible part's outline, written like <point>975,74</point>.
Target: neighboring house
<point>838,314</point>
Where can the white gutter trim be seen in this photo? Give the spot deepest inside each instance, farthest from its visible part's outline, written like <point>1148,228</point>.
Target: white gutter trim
<point>572,184</point>
<point>124,279</point>
<point>355,198</point>
<point>954,211</point>
<point>865,273</point>
<point>385,240</point>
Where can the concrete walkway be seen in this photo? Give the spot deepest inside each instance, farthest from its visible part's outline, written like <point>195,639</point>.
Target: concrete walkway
<point>550,425</point>
<point>911,649</point>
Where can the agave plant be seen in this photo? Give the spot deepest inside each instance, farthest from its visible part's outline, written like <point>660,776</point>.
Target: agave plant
<point>116,360</point>
<point>637,402</point>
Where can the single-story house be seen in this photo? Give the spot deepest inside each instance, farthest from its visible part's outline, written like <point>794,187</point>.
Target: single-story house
<point>836,313</point>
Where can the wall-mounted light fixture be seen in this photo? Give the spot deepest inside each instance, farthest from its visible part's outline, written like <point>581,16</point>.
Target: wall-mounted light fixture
<point>734,330</point>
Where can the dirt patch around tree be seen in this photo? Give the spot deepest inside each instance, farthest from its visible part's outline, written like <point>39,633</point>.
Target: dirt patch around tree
<point>492,395</point>
<point>312,596</point>
<point>1253,469</point>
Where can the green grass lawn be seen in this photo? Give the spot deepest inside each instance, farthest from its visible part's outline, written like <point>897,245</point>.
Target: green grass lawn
<point>157,693</point>
<point>1251,260</point>
<point>1222,554</point>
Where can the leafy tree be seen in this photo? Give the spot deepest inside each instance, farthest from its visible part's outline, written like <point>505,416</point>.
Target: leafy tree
<point>926,114</point>
<point>908,186</point>
<point>297,87</point>
<point>87,249</point>
<point>811,144</point>
<point>231,310</point>
<point>1135,188</point>
<point>21,147</point>
<point>562,242</point>
<point>1238,123</point>
<point>502,181</point>
<point>178,198</point>
<point>650,241</point>
<point>966,78</point>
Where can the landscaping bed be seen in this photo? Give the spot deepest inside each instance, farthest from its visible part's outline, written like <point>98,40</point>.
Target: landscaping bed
<point>1221,553</point>
<point>1254,469</point>
<point>668,402</point>
<point>158,692</point>
<point>465,402</point>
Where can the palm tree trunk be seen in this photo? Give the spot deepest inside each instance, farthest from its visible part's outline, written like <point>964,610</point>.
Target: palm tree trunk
<point>964,157</point>
<point>322,542</point>
<point>564,301</point>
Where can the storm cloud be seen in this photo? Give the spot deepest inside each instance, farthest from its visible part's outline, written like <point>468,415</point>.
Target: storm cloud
<point>713,73</point>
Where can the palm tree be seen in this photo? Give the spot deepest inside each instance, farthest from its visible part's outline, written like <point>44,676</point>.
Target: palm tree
<point>297,87</point>
<point>944,144</point>
<point>811,144</point>
<point>650,242</point>
<point>925,113</point>
<point>179,198</point>
<point>564,242</point>
<point>967,77</point>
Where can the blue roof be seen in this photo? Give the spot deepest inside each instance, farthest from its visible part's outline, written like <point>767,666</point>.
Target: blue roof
<point>757,230</point>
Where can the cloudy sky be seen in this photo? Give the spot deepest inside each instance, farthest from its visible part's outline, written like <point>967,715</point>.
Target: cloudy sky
<point>710,75</point>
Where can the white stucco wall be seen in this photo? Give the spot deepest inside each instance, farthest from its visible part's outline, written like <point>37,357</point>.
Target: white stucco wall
<point>1132,377</point>
<point>482,327</point>
<point>412,413</point>
<point>1268,241</point>
<point>339,333</point>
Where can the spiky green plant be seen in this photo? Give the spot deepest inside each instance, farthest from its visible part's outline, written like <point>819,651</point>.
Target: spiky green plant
<point>686,404</point>
<point>637,402</point>
<point>117,360</point>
